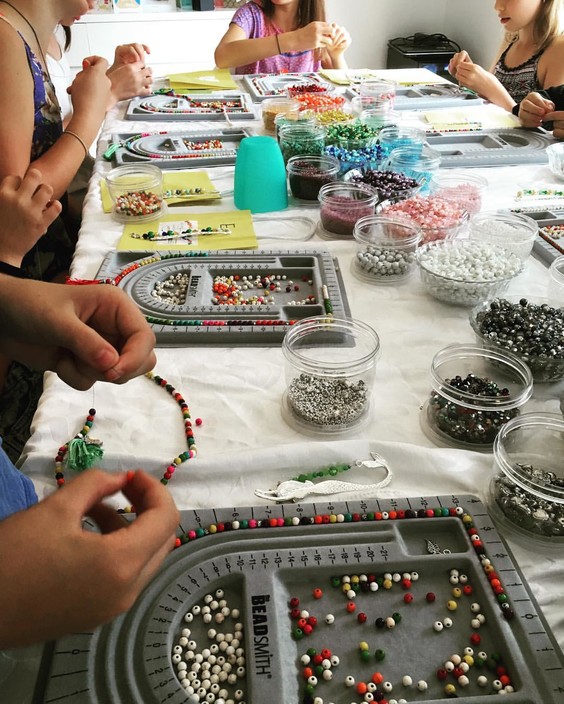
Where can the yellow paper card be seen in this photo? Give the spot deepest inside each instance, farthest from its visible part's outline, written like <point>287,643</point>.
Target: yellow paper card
<point>238,224</point>
<point>172,181</point>
<point>454,118</point>
<point>217,79</point>
<point>402,76</point>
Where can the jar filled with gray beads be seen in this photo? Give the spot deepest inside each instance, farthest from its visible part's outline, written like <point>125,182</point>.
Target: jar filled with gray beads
<point>386,249</point>
<point>526,493</point>
<point>330,367</point>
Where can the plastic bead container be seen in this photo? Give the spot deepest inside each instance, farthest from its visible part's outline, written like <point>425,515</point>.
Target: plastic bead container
<point>342,205</point>
<point>475,391</point>
<point>306,174</point>
<point>379,117</point>
<point>330,368</point>
<point>136,192</point>
<point>526,493</point>
<point>555,153</point>
<point>464,272</point>
<point>465,189</point>
<point>274,106</point>
<point>378,91</point>
<point>388,184</point>
<point>299,140</point>
<point>555,287</point>
<point>397,136</point>
<point>439,219</point>
<point>386,251</point>
<point>420,164</point>
<point>513,231</point>
<point>306,117</point>
<point>325,116</point>
<point>532,328</point>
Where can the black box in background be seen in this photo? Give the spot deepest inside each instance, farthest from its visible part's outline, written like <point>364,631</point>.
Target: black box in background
<point>403,54</point>
<point>203,5</point>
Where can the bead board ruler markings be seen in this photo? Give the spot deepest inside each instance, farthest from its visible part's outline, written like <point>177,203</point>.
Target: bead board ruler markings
<point>175,150</point>
<point>211,106</point>
<point>265,85</point>
<point>258,570</point>
<point>495,147</point>
<point>197,319</point>
<point>427,97</point>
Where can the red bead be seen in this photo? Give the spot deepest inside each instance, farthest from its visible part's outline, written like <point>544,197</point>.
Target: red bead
<point>317,593</point>
<point>326,654</point>
<point>307,629</point>
<point>458,672</point>
<point>467,589</point>
<point>393,515</point>
<point>307,672</point>
<point>430,513</point>
<point>377,678</point>
<point>301,623</point>
<point>430,597</point>
<point>505,680</point>
<point>475,638</point>
<point>401,513</point>
<point>295,614</point>
<point>351,607</point>
<point>362,617</point>
<point>317,659</point>
<point>442,674</point>
<point>177,543</point>
<point>312,621</point>
<point>406,583</point>
<point>408,598</point>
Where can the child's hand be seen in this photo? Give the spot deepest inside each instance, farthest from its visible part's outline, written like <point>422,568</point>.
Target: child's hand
<point>557,118</point>
<point>341,40</point>
<point>130,54</point>
<point>534,109</point>
<point>459,58</point>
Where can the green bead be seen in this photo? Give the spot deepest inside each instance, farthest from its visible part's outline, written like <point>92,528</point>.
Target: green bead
<point>502,598</point>
<point>348,517</point>
<point>396,617</point>
<point>311,652</point>
<point>445,512</point>
<point>200,532</point>
<point>380,655</point>
<point>288,521</point>
<point>297,634</point>
<point>319,670</point>
<point>365,655</point>
<point>309,689</point>
<point>244,523</point>
<point>438,512</point>
<point>302,478</point>
<point>335,581</point>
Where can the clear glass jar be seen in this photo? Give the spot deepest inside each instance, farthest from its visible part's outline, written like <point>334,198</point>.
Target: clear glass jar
<point>307,174</point>
<point>475,392</point>
<point>397,136</point>
<point>136,191</point>
<point>305,117</point>
<point>275,106</point>
<point>299,140</point>
<point>379,117</point>
<point>464,188</point>
<point>342,205</point>
<point>526,493</point>
<point>514,232</point>
<point>378,91</point>
<point>555,289</point>
<point>386,249</point>
<point>421,164</point>
<point>330,368</point>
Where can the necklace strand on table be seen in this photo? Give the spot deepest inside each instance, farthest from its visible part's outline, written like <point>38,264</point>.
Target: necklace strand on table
<point>85,450</point>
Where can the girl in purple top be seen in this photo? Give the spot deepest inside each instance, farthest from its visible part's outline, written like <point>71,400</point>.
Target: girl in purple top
<point>282,36</point>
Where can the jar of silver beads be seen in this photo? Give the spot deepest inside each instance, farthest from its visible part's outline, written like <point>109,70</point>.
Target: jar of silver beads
<point>526,493</point>
<point>330,367</point>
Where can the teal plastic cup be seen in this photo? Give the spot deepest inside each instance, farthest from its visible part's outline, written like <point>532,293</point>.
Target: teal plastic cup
<point>260,176</point>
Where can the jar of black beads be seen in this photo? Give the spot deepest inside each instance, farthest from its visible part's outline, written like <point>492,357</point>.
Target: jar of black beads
<point>526,493</point>
<point>475,391</point>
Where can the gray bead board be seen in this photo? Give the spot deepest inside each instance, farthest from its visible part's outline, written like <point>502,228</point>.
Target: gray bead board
<point>495,147</point>
<point>179,108</point>
<point>260,569</point>
<point>545,246</point>
<point>266,85</point>
<point>168,150</point>
<point>428,97</point>
<point>243,324</point>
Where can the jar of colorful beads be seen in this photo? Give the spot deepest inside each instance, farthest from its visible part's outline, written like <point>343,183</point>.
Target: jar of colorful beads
<point>379,117</point>
<point>299,140</point>
<point>526,493</point>
<point>305,117</point>
<point>330,369</point>
<point>275,106</point>
<point>378,91</point>
<point>307,174</point>
<point>136,191</point>
<point>386,249</point>
<point>388,184</point>
<point>342,205</point>
<point>397,136</point>
<point>474,392</point>
<point>420,164</point>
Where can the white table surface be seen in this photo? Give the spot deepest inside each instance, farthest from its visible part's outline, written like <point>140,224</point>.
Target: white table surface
<point>244,443</point>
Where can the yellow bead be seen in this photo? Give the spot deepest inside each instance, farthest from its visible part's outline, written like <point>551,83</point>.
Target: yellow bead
<point>345,587</point>
<point>355,579</point>
<point>457,592</point>
<point>467,518</point>
<point>363,645</point>
<point>468,659</point>
<point>332,518</point>
<point>452,605</point>
<point>488,568</point>
<point>177,460</point>
<point>387,584</point>
<point>450,689</point>
<point>213,528</point>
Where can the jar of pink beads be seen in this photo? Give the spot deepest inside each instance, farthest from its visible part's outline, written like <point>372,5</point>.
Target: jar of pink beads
<point>466,189</point>
<point>342,205</point>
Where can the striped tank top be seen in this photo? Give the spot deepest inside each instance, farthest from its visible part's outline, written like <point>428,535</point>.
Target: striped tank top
<point>520,80</point>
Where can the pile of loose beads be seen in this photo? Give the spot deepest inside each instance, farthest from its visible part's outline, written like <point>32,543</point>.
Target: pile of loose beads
<point>336,134</point>
<point>324,401</point>
<point>331,116</point>
<point>466,272</point>
<point>301,88</point>
<point>212,671</point>
<point>462,422</point>
<point>525,509</point>
<point>383,262</point>
<point>203,146</point>
<point>230,290</point>
<point>172,290</point>
<point>437,217</point>
<point>555,232</point>
<point>301,139</point>
<point>534,332</point>
<point>138,203</point>
<point>389,184</point>
<point>317,100</point>
<point>468,195</point>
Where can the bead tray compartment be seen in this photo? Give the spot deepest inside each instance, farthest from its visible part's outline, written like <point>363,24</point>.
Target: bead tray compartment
<point>168,150</point>
<point>259,569</point>
<point>495,147</point>
<point>190,107</point>
<point>428,97</point>
<point>266,85</point>
<point>198,320</point>
<point>547,248</point>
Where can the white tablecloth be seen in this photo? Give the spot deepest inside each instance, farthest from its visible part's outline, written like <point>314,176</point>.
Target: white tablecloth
<point>243,442</point>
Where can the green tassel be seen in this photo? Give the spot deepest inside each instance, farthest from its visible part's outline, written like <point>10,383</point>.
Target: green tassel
<point>82,454</point>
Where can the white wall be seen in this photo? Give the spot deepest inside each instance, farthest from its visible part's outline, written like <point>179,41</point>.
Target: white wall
<point>475,26</point>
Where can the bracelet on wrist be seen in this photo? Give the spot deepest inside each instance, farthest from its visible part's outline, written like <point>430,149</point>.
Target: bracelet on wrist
<point>15,271</point>
<point>79,139</point>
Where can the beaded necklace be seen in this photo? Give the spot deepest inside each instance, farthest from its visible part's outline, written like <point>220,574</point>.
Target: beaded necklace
<point>82,451</point>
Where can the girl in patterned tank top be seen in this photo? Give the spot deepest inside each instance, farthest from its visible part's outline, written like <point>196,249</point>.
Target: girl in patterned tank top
<point>530,58</point>
<point>281,36</point>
